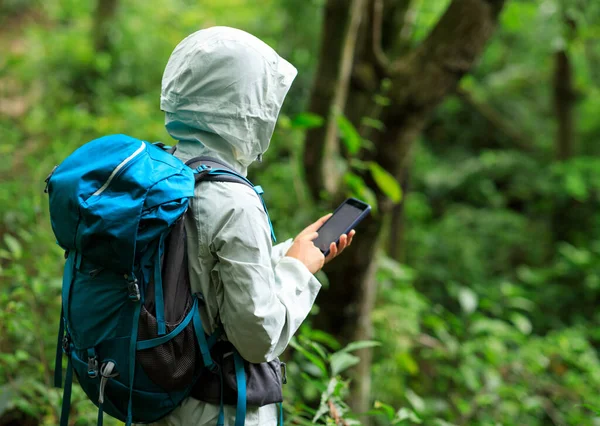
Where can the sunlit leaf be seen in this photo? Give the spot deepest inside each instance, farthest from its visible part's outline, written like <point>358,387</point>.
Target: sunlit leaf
<point>415,400</point>
<point>405,414</point>
<point>468,300</point>
<point>385,408</point>
<point>307,120</point>
<point>13,245</point>
<point>576,186</point>
<point>407,363</point>
<point>325,338</point>
<point>361,344</point>
<point>349,134</point>
<point>386,182</point>
<point>341,361</point>
<point>314,359</point>
<point>522,323</point>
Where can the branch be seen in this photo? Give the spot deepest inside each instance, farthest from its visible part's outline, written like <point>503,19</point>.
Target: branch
<point>493,117</point>
<point>331,148</point>
<point>426,75</point>
<point>333,34</point>
<point>380,57</point>
<point>333,412</point>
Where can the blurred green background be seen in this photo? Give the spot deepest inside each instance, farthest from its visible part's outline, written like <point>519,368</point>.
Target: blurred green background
<point>482,282</point>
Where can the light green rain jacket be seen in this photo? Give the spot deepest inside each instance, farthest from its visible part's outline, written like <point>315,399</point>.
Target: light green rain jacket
<point>222,91</point>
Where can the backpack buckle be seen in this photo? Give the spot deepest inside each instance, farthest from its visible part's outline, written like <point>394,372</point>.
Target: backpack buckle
<point>202,168</point>
<point>133,289</point>
<point>214,368</point>
<point>66,344</point>
<point>284,369</point>
<point>93,367</point>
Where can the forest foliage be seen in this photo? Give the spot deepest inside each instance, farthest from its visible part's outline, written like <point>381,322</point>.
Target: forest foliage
<point>490,318</point>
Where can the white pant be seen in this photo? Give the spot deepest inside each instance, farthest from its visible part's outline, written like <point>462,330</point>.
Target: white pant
<point>197,413</point>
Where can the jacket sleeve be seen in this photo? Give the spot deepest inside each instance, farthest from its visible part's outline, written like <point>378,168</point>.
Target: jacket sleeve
<point>265,295</point>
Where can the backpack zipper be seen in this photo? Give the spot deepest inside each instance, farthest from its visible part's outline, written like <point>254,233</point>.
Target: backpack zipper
<point>118,168</point>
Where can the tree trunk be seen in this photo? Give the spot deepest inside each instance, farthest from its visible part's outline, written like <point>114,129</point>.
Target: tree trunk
<point>397,228</point>
<point>104,13</point>
<point>419,82</point>
<point>325,87</point>
<point>563,105</point>
<point>564,95</point>
<point>84,82</point>
<point>564,102</point>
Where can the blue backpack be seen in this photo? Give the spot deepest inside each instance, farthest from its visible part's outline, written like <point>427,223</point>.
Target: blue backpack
<point>130,325</point>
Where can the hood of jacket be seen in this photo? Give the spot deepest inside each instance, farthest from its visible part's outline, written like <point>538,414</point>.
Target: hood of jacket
<point>222,91</point>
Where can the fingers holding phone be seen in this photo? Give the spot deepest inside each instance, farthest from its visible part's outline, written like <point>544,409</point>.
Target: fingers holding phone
<point>336,250</point>
<point>328,237</point>
<point>337,230</point>
<point>306,252</point>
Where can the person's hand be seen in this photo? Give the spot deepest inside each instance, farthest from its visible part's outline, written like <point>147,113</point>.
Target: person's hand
<point>345,241</point>
<point>305,250</point>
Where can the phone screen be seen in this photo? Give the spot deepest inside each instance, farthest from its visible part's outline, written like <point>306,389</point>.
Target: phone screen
<point>337,225</point>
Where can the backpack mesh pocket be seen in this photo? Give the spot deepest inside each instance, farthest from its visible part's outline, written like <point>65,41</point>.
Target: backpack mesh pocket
<point>171,365</point>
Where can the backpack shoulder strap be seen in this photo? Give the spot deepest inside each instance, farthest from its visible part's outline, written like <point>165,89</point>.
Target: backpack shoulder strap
<point>217,171</point>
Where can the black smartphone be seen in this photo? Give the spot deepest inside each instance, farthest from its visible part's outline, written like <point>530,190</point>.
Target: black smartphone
<point>344,219</point>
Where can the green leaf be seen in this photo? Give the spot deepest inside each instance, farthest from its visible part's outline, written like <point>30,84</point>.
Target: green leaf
<point>373,123</point>
<point>324,338</point>
<point>359,164</point>
<point>349,134</point>
<point>315,360</point>
<point>440,422</point>
<point>385,408</point>
<point>468,300</point>
<point>405,414</point>
<point>14,246</point>
<point>318,349</point>
<point>522,323</point>
<point>341,361</point>
<point>361,344</point>
<point>307,120</point>
<point>382,100</point>
<point>386,182</point>
<point>595,410</point>
<point>415,400</point>
<point>7,396</point>
<point>21,355</point>
<point>576,187</point>
<point>407,363</point>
